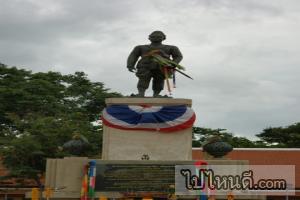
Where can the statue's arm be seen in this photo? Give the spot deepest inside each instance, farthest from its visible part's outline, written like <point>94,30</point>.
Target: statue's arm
<point>176,54</point>
<point>133,57</point>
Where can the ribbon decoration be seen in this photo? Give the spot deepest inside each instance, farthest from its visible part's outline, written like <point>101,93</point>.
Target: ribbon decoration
<point>210,192</point>
<point>88,181</point>
<point>174,79</point>
<point>166,73</point>
<point>168,67</point>
<point>84,186</point>
<point>92,178</point>
<point>199,164</point>
<point>149,118</point>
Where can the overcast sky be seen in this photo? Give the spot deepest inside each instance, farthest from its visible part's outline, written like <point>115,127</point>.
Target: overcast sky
<point>243,54</point>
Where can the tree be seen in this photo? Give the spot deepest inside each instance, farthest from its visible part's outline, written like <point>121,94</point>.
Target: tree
<point>39,112</point>
<point>202,134</point>
<point>288,136</point>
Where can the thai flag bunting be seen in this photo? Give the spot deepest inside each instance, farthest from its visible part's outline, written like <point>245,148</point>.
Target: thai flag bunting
<point>149,118</point>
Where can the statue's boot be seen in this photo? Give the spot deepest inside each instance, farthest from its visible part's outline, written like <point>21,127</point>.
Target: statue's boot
<point>141,93</point>
<point>156,93</point>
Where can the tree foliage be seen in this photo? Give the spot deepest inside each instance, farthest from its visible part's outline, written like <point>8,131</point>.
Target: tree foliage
<point>288,136</point>
<point>276,137</point>
<point>39,112</point>
<point>202,134</point>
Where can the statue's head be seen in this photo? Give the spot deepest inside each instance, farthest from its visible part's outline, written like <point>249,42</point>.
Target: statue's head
<point>157,36</point>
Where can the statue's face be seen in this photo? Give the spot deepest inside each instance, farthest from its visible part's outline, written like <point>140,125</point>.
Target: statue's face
<point>156,38</point>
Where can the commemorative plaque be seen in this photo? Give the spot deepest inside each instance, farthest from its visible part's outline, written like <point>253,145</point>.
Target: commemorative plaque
<point>136,177</point>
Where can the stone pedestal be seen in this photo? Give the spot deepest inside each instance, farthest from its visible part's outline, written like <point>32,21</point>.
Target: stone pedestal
<point>65,174</point>
<point>123,146</point>
<point>136,145</point>
<point>148,101</point>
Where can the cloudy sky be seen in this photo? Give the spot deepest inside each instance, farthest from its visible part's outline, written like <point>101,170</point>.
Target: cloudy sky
<point>243,54</point>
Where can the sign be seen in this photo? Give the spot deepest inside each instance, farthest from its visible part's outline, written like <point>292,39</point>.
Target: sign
<point>136,177</point>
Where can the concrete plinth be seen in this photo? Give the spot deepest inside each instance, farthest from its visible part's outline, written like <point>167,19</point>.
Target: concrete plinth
<point>65,174</point>
<point>148,101</point>
<point>136,145</point>
<point>130,147</point>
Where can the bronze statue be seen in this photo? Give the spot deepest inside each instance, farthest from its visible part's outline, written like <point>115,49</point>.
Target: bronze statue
<point>147,69</point>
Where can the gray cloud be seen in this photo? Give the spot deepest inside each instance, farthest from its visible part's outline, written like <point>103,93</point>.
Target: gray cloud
<point>243,54</point>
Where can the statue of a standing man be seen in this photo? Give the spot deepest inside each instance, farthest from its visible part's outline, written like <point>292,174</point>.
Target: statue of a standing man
<point>147,69</point>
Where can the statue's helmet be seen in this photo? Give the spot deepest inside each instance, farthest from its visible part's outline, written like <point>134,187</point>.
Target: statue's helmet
<point>157,34</point>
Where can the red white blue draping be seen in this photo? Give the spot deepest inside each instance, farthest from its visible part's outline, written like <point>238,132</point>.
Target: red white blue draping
<point>149,118</point>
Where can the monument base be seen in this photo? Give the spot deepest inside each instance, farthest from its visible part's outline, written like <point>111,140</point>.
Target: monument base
<point>135,163</point>
<point>153,145</point>
<point>65,177</point>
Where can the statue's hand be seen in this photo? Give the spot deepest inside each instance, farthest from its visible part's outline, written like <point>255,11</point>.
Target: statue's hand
<point>131,69</point>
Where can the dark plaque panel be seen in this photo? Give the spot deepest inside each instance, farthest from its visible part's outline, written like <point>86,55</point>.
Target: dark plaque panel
<point>135,177</point>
